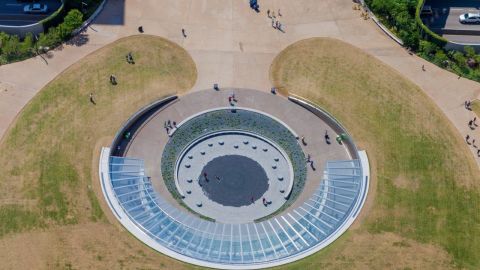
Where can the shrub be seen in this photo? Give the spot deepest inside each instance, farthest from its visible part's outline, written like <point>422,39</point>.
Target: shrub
<point>72,21</point>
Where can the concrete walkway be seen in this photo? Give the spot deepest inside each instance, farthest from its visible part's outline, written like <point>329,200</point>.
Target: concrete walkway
<point>234,46</point>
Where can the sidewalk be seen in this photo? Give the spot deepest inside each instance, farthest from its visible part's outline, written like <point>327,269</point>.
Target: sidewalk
<point>234,46</point>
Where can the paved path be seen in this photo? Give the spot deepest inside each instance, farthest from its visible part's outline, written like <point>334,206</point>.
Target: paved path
<point>234,46</point>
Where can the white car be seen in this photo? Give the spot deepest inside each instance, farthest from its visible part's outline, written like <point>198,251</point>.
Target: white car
<point>470,18</point>
<point>35,8</point>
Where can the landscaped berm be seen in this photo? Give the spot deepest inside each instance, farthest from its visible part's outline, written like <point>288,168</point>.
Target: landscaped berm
<point>422,207</point>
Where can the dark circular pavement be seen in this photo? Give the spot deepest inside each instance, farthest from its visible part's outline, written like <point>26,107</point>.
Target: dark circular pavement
<point>233,180</point>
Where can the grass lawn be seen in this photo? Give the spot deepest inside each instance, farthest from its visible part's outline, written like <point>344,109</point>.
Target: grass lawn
<point>425,198</point>
<point>476,107</point>
<point>47,157</point>
<point>422,212</point>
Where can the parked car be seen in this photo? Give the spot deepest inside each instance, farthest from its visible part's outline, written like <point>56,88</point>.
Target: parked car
<point>35,8</point>
<point>470,18</point>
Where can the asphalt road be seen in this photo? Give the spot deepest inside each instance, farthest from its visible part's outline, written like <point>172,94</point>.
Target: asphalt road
<point>11,12</point>
<point>445,19</point>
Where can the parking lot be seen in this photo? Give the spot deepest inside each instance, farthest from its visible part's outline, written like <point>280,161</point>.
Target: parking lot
<point>445,19</point>
<point>11,12</point>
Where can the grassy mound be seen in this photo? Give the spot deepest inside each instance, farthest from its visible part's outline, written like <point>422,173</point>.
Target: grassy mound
<point>426,183</point>
<point>46,173</point>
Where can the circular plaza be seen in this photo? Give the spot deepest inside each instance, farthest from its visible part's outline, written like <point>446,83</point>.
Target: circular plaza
<point>233,179</point>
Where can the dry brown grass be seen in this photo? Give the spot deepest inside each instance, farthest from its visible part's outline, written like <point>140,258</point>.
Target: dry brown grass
<point>49,211</point>
<point>425,181</point>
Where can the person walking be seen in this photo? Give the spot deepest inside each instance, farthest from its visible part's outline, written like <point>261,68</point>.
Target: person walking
<point>268,13</point>
<point>474,121</point>
<point>92,99</point>
<point>467,138</point>
<point>184,33</point>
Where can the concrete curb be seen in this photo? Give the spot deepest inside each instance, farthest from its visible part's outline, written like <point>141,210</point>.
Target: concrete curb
<point>379,24</point>
<point>86,23</point>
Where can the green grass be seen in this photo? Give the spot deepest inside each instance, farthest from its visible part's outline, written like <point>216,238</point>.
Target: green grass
<point>406,137</point>
<point>48,154</point>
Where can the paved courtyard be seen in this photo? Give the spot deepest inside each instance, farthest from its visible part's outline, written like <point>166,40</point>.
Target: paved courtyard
<point>150,141</point>
<point>234,46</point>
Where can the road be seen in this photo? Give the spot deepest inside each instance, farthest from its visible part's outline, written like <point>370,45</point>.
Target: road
<point>11,12</point>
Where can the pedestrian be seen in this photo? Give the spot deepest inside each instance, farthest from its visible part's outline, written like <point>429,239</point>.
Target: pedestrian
<point>423,67</point>
<point>465,104</point>
<point>467,138</point>
<point>473,143</point>
<point>327,137</point>
<point>273,90</point>
<point>470,124</point>
<point>140,29</point>
<point>253,201</point>
<point>474,121</point>
<point>165,125</point>
<point>279,27</point>
<point>113,79</point>
<point>184,34</point>
<point>308,158</point>
<point>303,141</point>
<point>169,124</point>
<point>230,99</point>
<point>468,104</point>
<point>478,153</point>
<point>233,98</point>
<point>273,24</point>
<point>92,99</point>
<point>268,13</point>
<point>276,24</point>
<point>174,124</point>
<point>218,178</point>
<point>215,87</point>
<point>279,14</point>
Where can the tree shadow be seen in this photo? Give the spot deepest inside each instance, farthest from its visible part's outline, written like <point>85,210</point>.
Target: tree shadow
<point>79,40</point>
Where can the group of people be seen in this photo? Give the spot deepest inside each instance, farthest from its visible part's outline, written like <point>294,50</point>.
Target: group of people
<point>113,78</point>
<point>169,125</point>
<point>129,58</point>
<point>205,177</point>
<point>266,202</point>
<point>472,124</point>
<point>276,24</point>
<point>468,105</point>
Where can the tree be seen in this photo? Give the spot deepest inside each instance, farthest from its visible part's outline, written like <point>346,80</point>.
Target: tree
<point>72,21</point>
<point>11,47</point>
<point>27,45</point>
